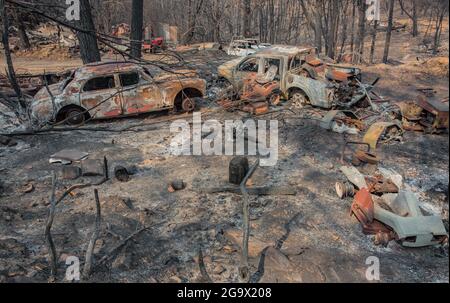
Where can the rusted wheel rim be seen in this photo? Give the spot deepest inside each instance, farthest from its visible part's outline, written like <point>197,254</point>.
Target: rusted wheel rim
<point>74,117</point>
<point>188,105</point>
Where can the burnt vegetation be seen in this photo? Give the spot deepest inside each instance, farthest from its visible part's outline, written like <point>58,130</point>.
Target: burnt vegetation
<point>358,91</point>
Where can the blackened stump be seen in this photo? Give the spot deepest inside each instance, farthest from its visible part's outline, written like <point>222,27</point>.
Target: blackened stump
<point>238,170</point>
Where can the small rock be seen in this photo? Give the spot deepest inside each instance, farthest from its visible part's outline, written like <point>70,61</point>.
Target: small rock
<point>178,185</point>
<point>170,189</point>
<point>71,172</point>
<point>121,174</point>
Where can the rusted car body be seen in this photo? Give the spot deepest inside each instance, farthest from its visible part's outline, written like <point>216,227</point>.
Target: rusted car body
<point>240,46</point>
<point>301,75</point>
<point>115,89</point>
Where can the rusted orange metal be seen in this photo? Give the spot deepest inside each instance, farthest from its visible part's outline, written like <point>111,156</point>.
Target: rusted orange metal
<point>363,207</point>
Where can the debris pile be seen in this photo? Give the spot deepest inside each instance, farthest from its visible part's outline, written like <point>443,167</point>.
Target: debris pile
<point>387,209</point>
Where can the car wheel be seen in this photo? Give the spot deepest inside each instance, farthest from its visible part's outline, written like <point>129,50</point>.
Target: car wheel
<point>188,104</point>
<point>299,99</point>
<point>74,116</point>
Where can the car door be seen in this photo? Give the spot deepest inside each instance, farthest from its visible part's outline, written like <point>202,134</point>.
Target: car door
<point>247,68</point>
<point>139,93</point>
<point>101,96</point>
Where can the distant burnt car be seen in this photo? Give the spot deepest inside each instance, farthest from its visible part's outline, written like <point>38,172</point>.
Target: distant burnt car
<point>114,89</point>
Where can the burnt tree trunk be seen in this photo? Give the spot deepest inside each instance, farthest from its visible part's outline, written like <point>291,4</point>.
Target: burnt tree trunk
<point>11,72</point>
<point>374,41</point>
<point>361,30</point>
<point>389,31</point>
<point>247,18</point>
<point>332,30</point>
<point>352,38</point>
<point>88,41</point>
<point>24,41</point>
<point>137,24</point>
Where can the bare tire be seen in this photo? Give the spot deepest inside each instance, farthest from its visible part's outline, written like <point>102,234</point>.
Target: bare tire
<point>188,104</point>
<point>74,116</point>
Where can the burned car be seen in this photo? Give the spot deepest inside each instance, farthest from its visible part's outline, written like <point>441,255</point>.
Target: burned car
<point>302,77</point>
<point>114,89</point>
<point>241,47</point>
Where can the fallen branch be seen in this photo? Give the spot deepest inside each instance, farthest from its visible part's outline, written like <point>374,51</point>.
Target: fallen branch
<point>48,235</point>
<point>95,233</point>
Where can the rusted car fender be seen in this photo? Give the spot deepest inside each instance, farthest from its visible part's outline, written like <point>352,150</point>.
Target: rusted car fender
<point>378,129</point>
<point>315,90</point>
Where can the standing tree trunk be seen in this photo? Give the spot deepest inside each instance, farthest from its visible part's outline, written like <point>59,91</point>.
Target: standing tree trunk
<point>374,41</point>
<point>247,18</point>
<point>352,38</point>
<point>332,30</point>
<point>414,19</point>
<point>389,31</point>
<point>88,41</point>
<point>137,24</point>
<point>24,41</point>
<point>413,16</point>
<point>11,73</point>
<point>361,30</point>
<point>442,11</point>
<point>318,28</point>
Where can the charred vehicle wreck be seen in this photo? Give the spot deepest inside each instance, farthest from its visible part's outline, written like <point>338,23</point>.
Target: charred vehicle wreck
<point>115,89</point>
<point>300,77</point>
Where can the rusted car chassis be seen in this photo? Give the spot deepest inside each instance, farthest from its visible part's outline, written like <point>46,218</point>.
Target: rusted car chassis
<point>115,89</point>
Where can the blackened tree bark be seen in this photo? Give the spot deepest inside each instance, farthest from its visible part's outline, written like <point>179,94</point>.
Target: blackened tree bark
<point>247,18</point>
<point>137,24</point>
<point>24,41</point>
<point>374,41</point>
<point>8,59</point>
<point>361,30</point>
<point>389,31</point>
<point>332,29</point>
<point>88,40</point>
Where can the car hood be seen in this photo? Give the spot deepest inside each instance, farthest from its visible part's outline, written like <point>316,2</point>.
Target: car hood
<point>226,70</point>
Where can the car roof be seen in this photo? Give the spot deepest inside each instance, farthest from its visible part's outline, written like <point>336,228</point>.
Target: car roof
<point>283,50</point>
<point>102,68</point>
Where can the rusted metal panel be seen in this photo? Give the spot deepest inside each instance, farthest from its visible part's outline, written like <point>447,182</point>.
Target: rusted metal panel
<point>378,130</point>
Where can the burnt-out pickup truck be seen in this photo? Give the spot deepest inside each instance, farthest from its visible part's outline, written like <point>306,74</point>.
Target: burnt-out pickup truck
<point>114,89</point>
<point>302,77</point>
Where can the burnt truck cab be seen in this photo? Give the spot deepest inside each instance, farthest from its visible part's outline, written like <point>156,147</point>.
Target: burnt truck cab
<point>303,77</point>
<point>114,89</point>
